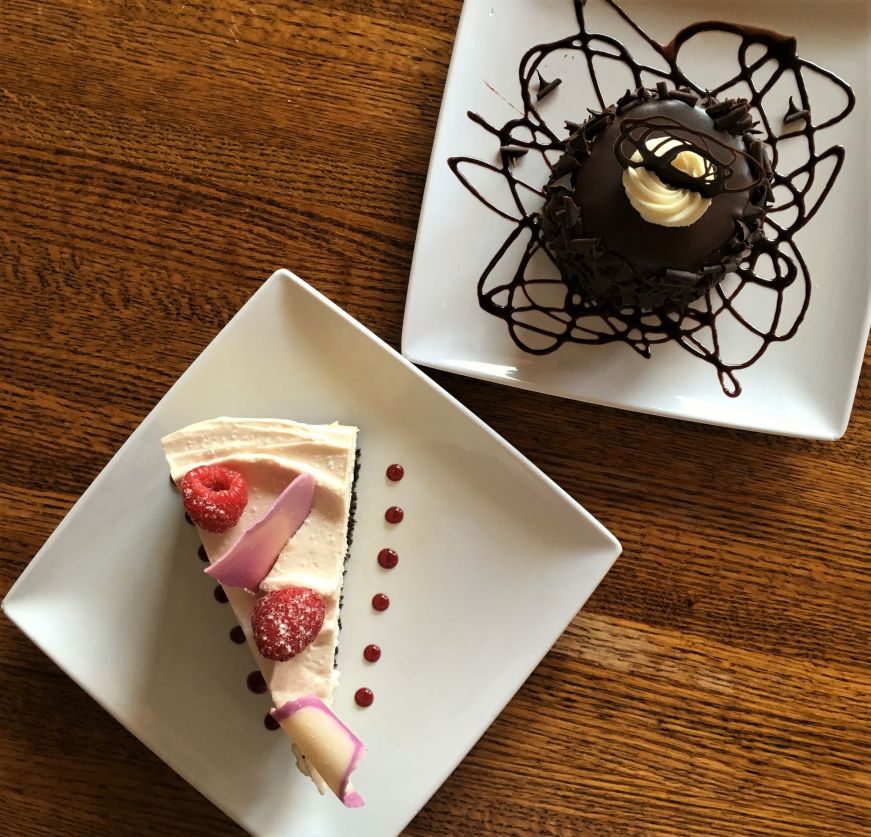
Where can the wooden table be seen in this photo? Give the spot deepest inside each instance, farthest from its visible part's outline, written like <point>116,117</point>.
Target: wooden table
<point>157,160</point>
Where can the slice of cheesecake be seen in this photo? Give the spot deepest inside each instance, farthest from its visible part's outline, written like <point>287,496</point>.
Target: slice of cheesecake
<point>273,502</point>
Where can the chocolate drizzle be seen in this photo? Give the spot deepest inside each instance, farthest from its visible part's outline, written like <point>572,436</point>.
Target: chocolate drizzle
<point>544,313</point>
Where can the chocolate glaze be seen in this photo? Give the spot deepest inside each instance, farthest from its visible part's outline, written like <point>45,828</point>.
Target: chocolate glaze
<point>605,249</point>
<point>773,264</point>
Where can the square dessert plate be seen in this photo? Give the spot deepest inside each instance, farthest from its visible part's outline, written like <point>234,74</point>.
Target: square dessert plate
<point>803,386</point>
<point>495,561</point>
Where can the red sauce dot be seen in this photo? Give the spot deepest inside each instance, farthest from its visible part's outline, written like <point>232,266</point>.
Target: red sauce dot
<point>364,697</point>
<point>388,558</point>
<point>237,635</point>
<point>380,601</point>
<point>394,514</point>
<point>256,683</point>
<point>220,595</point>
<point>372,653</point>
<point>270,723</point>
<point>395,472</point>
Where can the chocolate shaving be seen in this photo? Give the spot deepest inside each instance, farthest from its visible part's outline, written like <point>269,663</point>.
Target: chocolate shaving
<point>582,245</point>
<point>572,212</point>
<point>564,182</point>
<point>794,114</point>
<point>545,88</point>
<point>732,115</point>
<point>680,278</point>
<point>512,152</point>
<point>688,97</point>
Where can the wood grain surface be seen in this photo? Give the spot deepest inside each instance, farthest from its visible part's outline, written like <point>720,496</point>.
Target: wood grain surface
<point>157,161</point>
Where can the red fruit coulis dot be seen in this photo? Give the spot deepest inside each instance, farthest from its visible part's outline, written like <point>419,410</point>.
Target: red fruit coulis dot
<point>380,601</point>
<point>394,514</point>
<point>220,595</point>
<point>372,653</point>
<point>395,472</point>
<point>237,635</point>
<point>388,558</point>
<point>256,683</point>
<point>270,723</point>
<point>364,697</point>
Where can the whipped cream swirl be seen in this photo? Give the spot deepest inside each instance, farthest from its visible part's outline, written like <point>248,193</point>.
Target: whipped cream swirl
<point>655,201</point>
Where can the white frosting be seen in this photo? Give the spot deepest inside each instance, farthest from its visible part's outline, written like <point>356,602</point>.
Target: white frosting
<point>270,453</point>
<point>658,203</point>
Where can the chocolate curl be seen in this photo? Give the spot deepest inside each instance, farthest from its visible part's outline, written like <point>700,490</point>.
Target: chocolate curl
<point>561,184</point>
<point>680,278</point>
<point>794,114</point>
<point>627,101</point>
<point>572,212</point>
<point>565,165</point>
<point>582,245</point>
<point>512,153</point>
<point>685,95</point>
<point>741,236</point>
<point>732,115</point>
<point>327,744</point>
<point>662,89</point>
<point>598,121</point>
<point>545,88</point>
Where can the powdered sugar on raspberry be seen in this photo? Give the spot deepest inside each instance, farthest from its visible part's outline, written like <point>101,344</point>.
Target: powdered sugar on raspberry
<point>214,496</point>
<point>285,622</point>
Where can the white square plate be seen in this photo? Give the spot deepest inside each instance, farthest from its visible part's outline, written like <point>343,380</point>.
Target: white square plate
<point>495,562</point>
<point>802,387</point>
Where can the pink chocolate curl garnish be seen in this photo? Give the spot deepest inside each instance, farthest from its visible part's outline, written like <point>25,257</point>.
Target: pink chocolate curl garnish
<point>326,742</point>
<point>248,561</point>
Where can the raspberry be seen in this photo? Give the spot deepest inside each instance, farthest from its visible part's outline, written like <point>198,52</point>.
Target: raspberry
<point>285,622</point>
<point>214,496</point>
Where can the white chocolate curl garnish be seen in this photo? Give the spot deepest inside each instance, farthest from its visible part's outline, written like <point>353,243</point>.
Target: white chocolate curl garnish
<point>658,203</point>
<point>326,743</point>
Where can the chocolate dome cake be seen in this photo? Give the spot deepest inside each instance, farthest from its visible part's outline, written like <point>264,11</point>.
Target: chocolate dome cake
<point>656,199</point>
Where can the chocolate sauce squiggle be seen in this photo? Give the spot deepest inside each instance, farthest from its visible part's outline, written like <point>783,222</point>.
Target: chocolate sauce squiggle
<point>774,263</point>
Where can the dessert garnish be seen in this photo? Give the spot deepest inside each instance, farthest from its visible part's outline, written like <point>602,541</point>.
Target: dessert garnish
<point>388,558</point>
<point>285,622</point>
<point>335,750</point>
<point>380,601</point>
<point>546,87</point>
<point>670,214</point>
<point>364,697</point>
<point>214,497</point>
<point>395,472</point>
<point>394,515</point>
<point>248,561</point>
